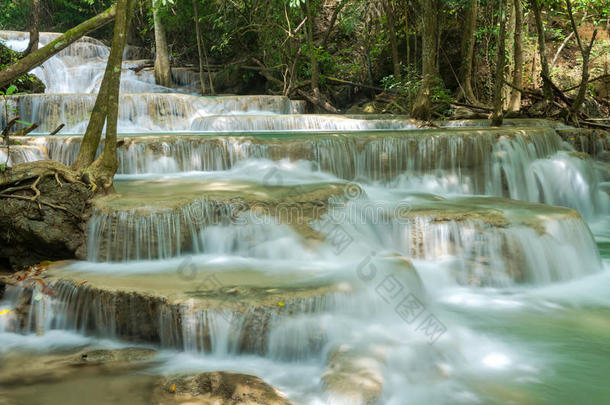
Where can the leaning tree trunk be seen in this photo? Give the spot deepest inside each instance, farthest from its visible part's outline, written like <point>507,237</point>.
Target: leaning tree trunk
<point>34,23</point>
<point>515,95</point>
<point>422,105</point>
<point>389,12</point>
<point>101,172</point>
<point>547,91</point>
<point>497,115</point>
<point>93,134</point>
<point>163,74</point>
<point>36,58</point>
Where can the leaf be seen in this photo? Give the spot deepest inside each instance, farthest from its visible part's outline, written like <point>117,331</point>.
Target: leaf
<point>23,122</point>
<point>11,90</point>
<point>2,167</point>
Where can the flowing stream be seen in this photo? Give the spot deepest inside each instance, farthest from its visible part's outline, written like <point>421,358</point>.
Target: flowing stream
<point>342,259</point>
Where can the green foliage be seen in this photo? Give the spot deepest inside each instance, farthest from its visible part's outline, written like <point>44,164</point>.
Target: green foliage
<point>57,15</point>
<point>14,14</point>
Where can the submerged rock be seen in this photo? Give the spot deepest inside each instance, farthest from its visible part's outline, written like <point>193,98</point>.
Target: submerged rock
<point>168,309</point>
<point>19,368</point>
<point>354,377</point>
<point>592,141</point>
<point>217,388</point>
<point>154,220</point>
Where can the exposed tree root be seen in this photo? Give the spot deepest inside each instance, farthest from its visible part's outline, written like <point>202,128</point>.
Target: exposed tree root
<point>37,171</point>
<point>33,170</point>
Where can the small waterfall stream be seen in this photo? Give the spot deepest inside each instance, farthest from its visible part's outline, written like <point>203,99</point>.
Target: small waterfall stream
<point>343,259</point>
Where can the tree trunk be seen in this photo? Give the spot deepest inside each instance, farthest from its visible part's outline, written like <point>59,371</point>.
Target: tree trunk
<point>389,12</point>
<point>331,24</point>
<point>509,35</point>
<point>36,58</point>
<point>421,109</point>
<point>95,126</point>
<point>586,54</point>
<point>163,73</point>
<point>315,73</point>
<point>467,51</point>
<point>199,47</point>
<point>544,63</point>
<point>515,95</point>
<point>408,37</point>
<point>34,23</point>
<point>497,115</point>
<point>102,171</point>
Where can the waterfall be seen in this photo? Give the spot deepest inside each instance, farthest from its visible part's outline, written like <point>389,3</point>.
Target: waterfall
<point>378,261</point>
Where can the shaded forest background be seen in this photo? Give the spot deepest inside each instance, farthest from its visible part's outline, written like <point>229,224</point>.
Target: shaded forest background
<point>361,56</point>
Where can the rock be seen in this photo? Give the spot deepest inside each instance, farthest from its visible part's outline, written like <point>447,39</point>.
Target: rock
<point>216,388</point>
<point>228,80</point>
<point>196,205</point>
<point>118,356</point>
<point>354,376</point>
<point>30,234</point>
<point>595,142</point>
<point>155,308</point>
<point>465,113</point>
<point>27,369</point>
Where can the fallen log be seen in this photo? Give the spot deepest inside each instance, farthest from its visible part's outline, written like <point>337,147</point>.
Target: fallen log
<point>138,68</point>
<point>25,131</point>
<point>56,130</point>
<point>9,125</point>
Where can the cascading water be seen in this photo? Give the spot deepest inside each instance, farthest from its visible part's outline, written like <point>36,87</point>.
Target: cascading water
<point>367,260</point>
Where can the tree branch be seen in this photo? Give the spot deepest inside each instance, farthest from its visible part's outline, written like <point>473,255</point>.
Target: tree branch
<point>36,58</point>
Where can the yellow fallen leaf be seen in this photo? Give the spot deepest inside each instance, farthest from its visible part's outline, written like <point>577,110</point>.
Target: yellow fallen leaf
<point>4,312</point>
<point>280,304</point>
<point>173,387</point>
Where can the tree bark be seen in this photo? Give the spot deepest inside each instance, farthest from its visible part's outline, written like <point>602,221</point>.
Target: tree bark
<point>421,109</point>
<point>199,47</point>
<point>315,72</point>
<point>163,73</point>
<point>102,171</point>
<point>389,12</point>
<point>586,54</point>
<point>497,115</point>
<point>95,126</point>
<point>331,24</point>
<point>515,95</point>
<point>106,106</point>
<point>467,51</point>
<point>36,58</point>
<point>546,88</point>
<point>34,23</point>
